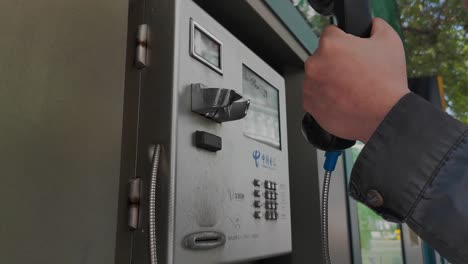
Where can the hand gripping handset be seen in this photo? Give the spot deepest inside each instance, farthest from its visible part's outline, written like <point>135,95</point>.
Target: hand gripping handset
<point>354,17</point>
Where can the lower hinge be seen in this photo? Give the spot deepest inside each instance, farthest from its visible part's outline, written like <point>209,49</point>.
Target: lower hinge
<point>134,191</point>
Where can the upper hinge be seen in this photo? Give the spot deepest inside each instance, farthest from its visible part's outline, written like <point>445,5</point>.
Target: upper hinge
<point>142,54</point>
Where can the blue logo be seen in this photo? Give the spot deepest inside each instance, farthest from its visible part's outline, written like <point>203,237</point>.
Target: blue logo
<point>265,160</point>
<point>256,156</point>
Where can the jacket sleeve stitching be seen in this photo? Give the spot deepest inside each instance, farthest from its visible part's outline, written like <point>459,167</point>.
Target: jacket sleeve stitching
<point>436,172</point>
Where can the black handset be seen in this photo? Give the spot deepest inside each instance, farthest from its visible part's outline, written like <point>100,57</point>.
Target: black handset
<point>354,17</point>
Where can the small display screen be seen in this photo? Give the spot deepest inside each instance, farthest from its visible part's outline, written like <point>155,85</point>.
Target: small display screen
<point>206,47</point>
<point>262,122</point>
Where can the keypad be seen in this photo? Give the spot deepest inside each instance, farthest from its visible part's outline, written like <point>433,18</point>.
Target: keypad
<point>266,199</point>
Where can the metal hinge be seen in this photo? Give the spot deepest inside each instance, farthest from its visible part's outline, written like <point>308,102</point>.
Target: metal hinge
<point>141,57</point>
<point>134,192</point>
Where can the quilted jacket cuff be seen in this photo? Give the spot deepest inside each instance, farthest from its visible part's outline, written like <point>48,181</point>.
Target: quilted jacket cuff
<point>402,157</point>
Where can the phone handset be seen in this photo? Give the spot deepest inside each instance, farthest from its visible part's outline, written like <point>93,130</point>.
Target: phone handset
<point>354,17</point>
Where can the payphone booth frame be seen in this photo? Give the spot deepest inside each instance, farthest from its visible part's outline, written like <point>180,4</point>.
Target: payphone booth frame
<point>73,116</point>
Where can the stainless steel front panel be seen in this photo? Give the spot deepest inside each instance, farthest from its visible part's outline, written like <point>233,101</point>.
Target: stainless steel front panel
<point>208,191</point>
<point>207,183</point>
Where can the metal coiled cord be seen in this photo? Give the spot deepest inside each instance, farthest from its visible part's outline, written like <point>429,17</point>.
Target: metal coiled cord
<point>325,192</point>
<point>152,206</point>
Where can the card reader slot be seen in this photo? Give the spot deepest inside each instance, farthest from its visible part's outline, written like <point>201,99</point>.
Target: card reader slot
<point>204,240</point>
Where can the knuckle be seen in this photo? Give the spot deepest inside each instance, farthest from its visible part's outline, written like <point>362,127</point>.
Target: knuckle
<point>311,66</point>
<point>324,43</point>
<point>378,21</point>
<point>329,31</point>
<point>385,29</point>
<point>328,44</point>
<point>392,37</point>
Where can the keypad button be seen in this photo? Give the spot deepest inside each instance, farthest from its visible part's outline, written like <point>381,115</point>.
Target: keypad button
<point>258,204</point>
<point>274,215</point>
<point>275,196</point>
<point>258,215</point>
<point>257,193</point>
<point>273,186</point>
<point>257,183</point>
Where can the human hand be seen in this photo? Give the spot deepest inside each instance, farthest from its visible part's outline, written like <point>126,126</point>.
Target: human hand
<point>352,83</point>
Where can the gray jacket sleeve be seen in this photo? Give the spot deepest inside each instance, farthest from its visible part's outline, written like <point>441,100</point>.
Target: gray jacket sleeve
<point>414,169</point>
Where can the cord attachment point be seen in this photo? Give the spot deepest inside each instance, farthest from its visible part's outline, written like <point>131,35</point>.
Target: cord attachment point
<point>331,158</point>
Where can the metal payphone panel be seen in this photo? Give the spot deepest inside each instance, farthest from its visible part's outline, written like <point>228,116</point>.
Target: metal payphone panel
<point>216,191</point>
<point>224,189</point>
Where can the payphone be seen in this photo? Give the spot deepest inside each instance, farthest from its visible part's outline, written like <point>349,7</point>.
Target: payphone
<point>216,186</point>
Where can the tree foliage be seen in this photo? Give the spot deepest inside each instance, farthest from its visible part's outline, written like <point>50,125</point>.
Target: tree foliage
<point>436,33</point>
<point>316,21</point>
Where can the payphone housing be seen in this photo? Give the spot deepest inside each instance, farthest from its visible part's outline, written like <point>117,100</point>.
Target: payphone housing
<point>219,117</point>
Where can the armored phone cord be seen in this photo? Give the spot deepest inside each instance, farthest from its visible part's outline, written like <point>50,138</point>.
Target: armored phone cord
<point>325,192</point>
<point>152,206</point>
<point>331,158</point>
